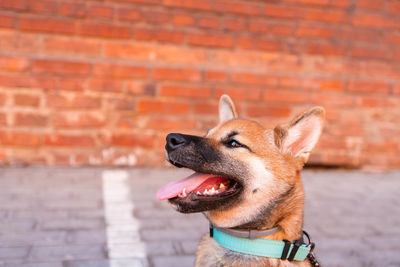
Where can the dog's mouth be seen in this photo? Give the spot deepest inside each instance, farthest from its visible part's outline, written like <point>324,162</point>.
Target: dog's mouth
<point>200,192</point>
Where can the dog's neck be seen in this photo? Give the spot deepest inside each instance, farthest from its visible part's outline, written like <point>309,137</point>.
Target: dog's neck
<point>288,215</point>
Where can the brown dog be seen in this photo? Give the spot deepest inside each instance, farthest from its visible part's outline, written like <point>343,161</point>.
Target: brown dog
<point>246,178</point>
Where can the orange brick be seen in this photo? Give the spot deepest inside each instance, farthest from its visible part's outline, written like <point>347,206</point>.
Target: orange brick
<point>64,140</point>
<point>73,102</point>
<point>170,123</point>
<point>211,40</point>
<point>314,32</point>
<point>199,4</point>
<point>370,52</point>
<point>183,20</point>
<point>331,85</point>
<point>258,26</point>
<point>256,110</point>
<point>205,108</point>
<point>119,71</point>
<point>61,67</point>
<point>132,140</point>
<point>215,76</point>
<point>243,8</point>
<point>71,84</point>
<point>234,24</point>
<point>49,25</point>
<point>62,45</point>
<point>176,74</point>
<point>14,64</point>
<point>281,12</point>
<point>104,30</point>
<point>165,107</point>
<point>323,15</point>
<point>332,100</point>
<point>23,139</point>
<point>125,104</point>
<point>373,21</point>
<point>26,100</point>
<point>30,119</point>
<point>326,49</point>
<point>140,88</point>
<point>393,7</point>
<point>156,17</point>
<point>43,6</point>
<point>369,4</point>
<point>14,4</point>
<point>185,91</point>
<point>371,101</point>
<point>285,96</point>
<point>254,79</point>
<point>369,86</point>
<point>209,22</point>
<point>392,38</point>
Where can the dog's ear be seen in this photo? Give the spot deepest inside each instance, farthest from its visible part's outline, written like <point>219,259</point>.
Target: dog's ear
<point>300,136</point>
<point>226,109</point>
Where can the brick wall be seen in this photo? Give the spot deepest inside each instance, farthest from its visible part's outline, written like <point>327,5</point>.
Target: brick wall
<point>102,82</point>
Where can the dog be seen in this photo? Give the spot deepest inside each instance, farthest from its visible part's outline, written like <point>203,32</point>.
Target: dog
<point>246,180</point>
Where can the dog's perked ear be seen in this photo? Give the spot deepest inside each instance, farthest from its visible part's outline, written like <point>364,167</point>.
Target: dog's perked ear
<point>227,109</point>
<point>300,136</point>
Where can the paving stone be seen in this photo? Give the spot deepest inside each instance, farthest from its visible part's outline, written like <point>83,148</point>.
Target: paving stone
<point>108,263</point>
<point>33,264</point>
<point>72,224</point>
<point>172,261</point>
<point>67,252</point>
<point>13,252</point>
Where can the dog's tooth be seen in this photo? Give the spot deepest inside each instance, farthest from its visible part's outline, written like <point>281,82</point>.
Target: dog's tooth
<point>205,192</point>
<point>198,193</point>
<point>221,186</point>
<point>212,191</point>
<point>184,192</point>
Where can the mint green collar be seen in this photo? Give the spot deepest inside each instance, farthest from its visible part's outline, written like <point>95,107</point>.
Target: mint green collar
<point>262,247</point>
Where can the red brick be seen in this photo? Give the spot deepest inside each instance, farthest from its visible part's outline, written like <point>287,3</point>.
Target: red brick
<point>100,12</point>
<point>164,107</point>
<point>140,88</point>
<point>119,71</point>
<point>20,139</point>
<point>169,36</point>
<point>205,108</point>
<point>283,12</point>
<point>369,4</point>
<point>392,38</point>
<point>104,30</point>
<point>125,104</point>
<point>43,6</point>
<point>215,76</point>
<point>71,84</point>
<point>369,86</point>
<point>62,45</point>
<point>211,40</point>
<point>78,120</point>
<point>64,140</point>
<point>30,119</point>
<point>14,64</point>
<point>370,52</point>
<point>332,100</point>
<point>209,22</point>
<point>258,26</point>
<point>331,85</point>
<point>290,82</point>
<point>396,89</point>
<point>323,15</point>
<point>26,100</point>
<point>14,4</point>
<point>393,7</point>
<point>73,102</point>
<point>7,21</point>
<point>105,85</point>
<point>285,96</point>
<point>374,21</point>
<point>61,67</point>
<point>314,32</point>
<point>199,4</point>
<point>3,99</point>
<point>254,79</point>
<point>258,43</point>
<point>170,123</point>
<point>148,2</point>
<point>371,102</point>
<point>129,14</point>
<point>326,49</point>
<point>156,17</point>
<point>28,81</point>
<point>49,25</point>
<point>3,120</point>
<point>242,8</point>
<point>253,94</point>
<point>185,91</point>
<point>132,140</point>
<point>132,51</point>
<point>176,74</point>
<point>234,24</point>
<point>72,9</point>
<point>310,2</point>
<point>183,20</point>
<point>257,110</point>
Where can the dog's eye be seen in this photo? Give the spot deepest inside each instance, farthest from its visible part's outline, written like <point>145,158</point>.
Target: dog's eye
<point>234,143</point>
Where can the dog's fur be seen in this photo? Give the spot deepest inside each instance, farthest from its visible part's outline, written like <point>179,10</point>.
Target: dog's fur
<point>268,168</point>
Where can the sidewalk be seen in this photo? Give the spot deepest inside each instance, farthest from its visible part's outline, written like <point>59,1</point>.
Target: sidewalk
<point>69,217</point>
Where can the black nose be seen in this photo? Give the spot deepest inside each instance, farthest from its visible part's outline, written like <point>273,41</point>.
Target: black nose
<point>175,140</point>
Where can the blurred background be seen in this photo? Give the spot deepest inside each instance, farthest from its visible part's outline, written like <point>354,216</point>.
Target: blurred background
<point>102,82</point>
<point>90,88</point>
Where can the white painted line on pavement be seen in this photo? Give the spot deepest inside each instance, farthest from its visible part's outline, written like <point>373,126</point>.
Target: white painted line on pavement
<point>123,240</point>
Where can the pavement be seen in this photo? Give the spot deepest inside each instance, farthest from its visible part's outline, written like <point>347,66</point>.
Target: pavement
<point>83,217</point>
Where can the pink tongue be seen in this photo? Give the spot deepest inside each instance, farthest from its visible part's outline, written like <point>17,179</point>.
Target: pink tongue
<point>173,189</point>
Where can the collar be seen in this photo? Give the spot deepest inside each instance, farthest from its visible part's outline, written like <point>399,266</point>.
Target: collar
<point>246,242</point>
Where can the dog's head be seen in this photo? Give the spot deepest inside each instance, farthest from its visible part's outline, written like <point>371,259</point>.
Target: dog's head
<point>242,170</point>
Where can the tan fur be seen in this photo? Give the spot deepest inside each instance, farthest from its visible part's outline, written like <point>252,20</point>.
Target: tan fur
<point>274,164</point>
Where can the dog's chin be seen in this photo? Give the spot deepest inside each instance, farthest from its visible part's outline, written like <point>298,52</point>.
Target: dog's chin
<point>197,202</point>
